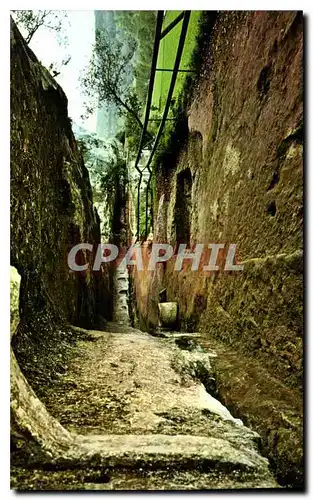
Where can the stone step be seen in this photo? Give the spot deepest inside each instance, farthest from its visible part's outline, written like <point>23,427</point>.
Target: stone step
<point>180,451</point>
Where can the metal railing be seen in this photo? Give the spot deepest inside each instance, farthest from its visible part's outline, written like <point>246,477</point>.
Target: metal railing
<point>159,35</point>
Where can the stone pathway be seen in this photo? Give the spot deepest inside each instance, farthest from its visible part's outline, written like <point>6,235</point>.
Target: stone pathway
<point>139,400</point>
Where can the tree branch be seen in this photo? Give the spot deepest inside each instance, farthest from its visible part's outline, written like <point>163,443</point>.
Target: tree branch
<point>128,109</point>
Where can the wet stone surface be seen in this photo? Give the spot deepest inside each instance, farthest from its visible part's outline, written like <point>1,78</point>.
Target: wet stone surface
<point>140,401</point>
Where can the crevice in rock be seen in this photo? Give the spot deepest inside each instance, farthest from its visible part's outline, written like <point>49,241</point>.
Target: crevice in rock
<point>271,208</point>
<point>274,181</point>
<point>183,207</point>
<point>264,80</point>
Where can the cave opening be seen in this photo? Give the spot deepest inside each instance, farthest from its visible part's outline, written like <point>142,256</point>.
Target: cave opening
<point>183,207</point>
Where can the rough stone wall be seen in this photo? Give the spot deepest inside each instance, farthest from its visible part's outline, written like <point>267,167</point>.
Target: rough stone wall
<point>51,208</point>
<point>244,156</point>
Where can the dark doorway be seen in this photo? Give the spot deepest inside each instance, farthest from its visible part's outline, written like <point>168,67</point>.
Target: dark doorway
<point>183,207</point>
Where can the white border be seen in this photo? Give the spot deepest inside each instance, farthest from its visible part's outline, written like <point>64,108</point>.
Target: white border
<point>306,6</point>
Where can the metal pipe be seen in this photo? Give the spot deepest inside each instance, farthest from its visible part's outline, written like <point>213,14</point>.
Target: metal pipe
<point>169,95</point>
<point>138,203</point>
<point>160,119</point>
<point>172,25</point>
<point>172,84</point>
<point>179,71</point>
<point>148,105</point>
<point>147,204</point>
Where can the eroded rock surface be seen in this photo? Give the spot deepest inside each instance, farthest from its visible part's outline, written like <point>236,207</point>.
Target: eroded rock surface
<point>51,211</point>
<point>15,281</point>
<point>235,176</point>
<point>120,409</point>
<point>130,407</point>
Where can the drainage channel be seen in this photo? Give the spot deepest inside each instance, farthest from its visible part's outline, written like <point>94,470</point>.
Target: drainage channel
<point>205,368</point>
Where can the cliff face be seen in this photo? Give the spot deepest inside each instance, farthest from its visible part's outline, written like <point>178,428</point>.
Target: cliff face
<point>238,179</point>
<point>51,208</point>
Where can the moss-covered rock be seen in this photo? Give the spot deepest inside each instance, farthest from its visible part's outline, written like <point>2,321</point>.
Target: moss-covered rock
<point>243,159</point>
<point>15,281</point>
<point>51,211</point>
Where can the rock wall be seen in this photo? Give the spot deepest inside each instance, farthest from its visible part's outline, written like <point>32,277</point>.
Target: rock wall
<point>51,210</point>
<point>238,178</point>
<point>242,165</point>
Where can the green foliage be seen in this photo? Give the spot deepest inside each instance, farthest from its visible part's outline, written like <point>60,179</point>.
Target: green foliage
<point>141,26</point>
<point>30,21</point>
<point>167,54</point>
<point>120,136</point>
<point>176,131</point>
<point>56,21</point>
<point>95,152</point>
<point>110,192</point>
<point>103,170</point>
<point>108,175</point>
<point>132,129</point>
<point>133,133</point>
<point>107,77</point>
<point>114,171</point>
